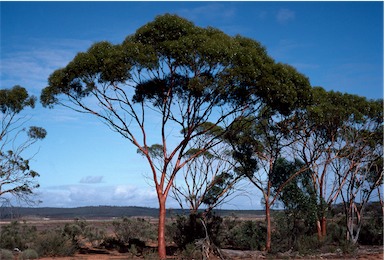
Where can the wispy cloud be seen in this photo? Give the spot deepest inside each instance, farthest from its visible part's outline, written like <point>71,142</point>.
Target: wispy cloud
<point>92,179</point>
<point>30,66</point>
<point>285,15</point>
<point>211,11</point>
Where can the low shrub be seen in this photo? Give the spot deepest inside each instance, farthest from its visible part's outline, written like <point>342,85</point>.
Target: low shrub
<point>134,228</point>
<point>188,229</point>
<point>246,235</point>
<point>94,235</point>
<point>17,235</point>
<point>54,243</point>
<point>6,254</point>
<point>29,254</point>
<point>372,230</point>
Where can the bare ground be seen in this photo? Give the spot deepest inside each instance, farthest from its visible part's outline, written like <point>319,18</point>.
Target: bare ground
<point>363,253</point>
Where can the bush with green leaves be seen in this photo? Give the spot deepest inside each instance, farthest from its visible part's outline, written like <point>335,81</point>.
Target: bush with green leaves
<point>94,235</point>
<point>17,235</point>
<point>134,228</point>
<point>54,242</point>
<point>6,254</point>
<point>245,235</point>
<point>29,254</point>
<point>188,229</point>
<point>372,231</point>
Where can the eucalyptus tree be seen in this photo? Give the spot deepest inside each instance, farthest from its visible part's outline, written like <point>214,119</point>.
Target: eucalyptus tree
<point>184,74</point>
<point>259,145</point>
<point>208,180</point>
<point>320,130</point>
<point>298,198</point>
<point>17,180</point>
<point>360,158</point>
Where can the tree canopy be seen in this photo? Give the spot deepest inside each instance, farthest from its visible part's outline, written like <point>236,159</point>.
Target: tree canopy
<point>17,180</point>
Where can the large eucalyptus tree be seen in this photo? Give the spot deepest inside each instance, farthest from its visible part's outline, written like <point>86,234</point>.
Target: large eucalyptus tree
<point>186,74</point>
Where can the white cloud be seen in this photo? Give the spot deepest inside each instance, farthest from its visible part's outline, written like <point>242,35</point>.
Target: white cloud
<point>85,195</point>
<point>285,15</point>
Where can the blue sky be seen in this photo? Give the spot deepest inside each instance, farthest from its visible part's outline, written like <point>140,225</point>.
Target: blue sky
<point>338,45</point>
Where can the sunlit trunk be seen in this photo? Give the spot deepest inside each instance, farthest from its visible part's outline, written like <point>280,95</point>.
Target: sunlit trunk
<point>323,227</point>
<point>319,231</point>
<point>162,227</point>
<point>268,228</point>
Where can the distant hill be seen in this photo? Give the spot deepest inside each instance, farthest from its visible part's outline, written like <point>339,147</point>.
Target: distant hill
<point>102,212</point>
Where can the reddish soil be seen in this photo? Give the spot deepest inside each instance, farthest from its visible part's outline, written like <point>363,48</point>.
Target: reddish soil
<point>364,253</point>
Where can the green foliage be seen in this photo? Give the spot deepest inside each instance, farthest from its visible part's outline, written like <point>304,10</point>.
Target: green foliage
<point>372,231</point>
<point>73,231</point>
<point>134,228</point>
<point>16,177</point>
<point>190,228</point>
<point>14,100</point>
<point>204,62</point>
<point>245,235</point>
<point>17,235</point>
<point>29,254</point>
<point>6,254</point>
<point>54,242</point>
<point>94,235</point>
<point>298,196</point>
<point>191,252</point>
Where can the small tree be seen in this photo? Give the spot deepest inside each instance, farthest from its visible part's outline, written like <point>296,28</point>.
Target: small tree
<point>257,147</point>
<point>361,159</point>
<point>17,180</point>
<point>319,130</point>
<point>298,198</point>
<point>208,179</point>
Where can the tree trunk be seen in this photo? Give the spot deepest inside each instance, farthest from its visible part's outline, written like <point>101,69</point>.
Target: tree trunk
<point>268,228</point>
<point>323,227</point>
<point>319,231</point>
<point>162,227</point>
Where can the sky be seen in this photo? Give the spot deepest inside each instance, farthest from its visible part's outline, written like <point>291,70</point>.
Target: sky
<point>337,45</point>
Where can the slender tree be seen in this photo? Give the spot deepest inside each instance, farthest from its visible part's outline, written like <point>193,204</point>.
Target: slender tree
<point>17,180</point>
<point>262,141</point>
<point>361,160</point>
<point>185,75</point>
<point>319,131</point>
<point>297,197</point>
<point>207,180</point>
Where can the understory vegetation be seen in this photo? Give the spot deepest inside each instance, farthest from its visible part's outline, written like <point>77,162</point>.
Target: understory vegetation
<point>187,236</point>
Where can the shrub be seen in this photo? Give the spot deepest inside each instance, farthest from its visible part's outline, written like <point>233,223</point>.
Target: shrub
<point>54,243</point>
<point>131,228</point>
<point>187,229</point>
<point>16,235</point>
<point>191,252</point>
<point>74,231</point>
<point>6,254</point>
<point>246,235</point>
<point>29,254</point>
<point>372,231</point>
<point>94,235</point>
<point>111,243</point>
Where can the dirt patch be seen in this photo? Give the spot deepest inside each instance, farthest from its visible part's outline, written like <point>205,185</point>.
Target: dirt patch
<point>363,253</point>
